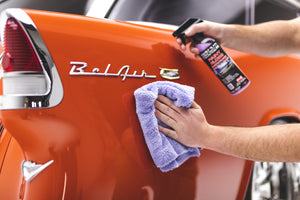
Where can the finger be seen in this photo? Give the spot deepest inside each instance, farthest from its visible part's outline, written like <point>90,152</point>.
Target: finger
<point>168,102</point>
<point>168,108</point>
<point>195,105</point>
<point>181,45</point>
<point>165,119</point>
<point>191,30</point>
<point>194,50</point>
<point>164,99</point>
<point>195,28</point>
<point>168,132</point>
<point>179,41</point>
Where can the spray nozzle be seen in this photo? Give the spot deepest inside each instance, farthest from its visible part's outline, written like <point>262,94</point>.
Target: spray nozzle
<point>180,32</point>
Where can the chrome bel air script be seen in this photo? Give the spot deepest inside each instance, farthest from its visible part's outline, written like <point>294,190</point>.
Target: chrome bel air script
<point>78,68</point>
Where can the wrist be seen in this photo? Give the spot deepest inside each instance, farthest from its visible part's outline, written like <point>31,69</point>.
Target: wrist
<point>226,33</point>
<point>209,139</point>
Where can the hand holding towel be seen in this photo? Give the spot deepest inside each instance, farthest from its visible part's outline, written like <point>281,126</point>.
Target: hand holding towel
<point>166,153</point>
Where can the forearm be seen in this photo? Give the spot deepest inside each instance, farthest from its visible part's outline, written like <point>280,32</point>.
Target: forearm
<point>271,39</point>
<point>266,143</point>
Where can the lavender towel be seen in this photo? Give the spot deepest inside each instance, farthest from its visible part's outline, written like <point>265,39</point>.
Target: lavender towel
<point>166,153</point>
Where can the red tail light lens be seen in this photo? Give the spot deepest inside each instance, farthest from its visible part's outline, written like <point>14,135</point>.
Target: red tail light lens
<point>18,53</point>
<point>28,75</point>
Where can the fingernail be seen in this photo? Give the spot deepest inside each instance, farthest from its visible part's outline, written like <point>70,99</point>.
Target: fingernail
<point>175,136</point>
<point>188,31</point>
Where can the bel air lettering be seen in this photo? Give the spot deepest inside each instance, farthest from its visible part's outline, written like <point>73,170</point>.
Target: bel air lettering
<point>78,68</point>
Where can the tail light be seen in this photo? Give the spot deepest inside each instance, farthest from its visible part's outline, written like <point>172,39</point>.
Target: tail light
<point>29,76</point>
<point>18,54</point>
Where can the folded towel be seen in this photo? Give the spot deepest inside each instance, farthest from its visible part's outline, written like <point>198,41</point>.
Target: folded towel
<point>166,153</point>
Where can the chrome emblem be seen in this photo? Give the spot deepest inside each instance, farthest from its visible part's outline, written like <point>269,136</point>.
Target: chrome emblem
<point>78,68</point>
<point>171,74</point>
<point>30,169</point>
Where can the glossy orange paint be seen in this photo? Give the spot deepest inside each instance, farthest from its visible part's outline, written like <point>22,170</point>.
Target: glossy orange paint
<point>11,182</point>
<point>93,135</point>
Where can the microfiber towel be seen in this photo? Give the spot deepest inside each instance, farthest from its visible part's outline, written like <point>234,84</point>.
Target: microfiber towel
<point>166,153</point>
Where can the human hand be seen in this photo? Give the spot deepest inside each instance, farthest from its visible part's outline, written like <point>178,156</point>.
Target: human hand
<point>210,29</point>
<point>189,126</point>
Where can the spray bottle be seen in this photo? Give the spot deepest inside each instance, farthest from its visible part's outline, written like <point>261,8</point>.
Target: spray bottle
<point>216,58</point>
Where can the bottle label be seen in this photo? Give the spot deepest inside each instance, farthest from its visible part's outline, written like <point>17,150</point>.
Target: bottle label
<point>223,66</point>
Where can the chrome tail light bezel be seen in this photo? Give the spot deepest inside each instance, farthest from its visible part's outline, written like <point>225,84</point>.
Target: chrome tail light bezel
<point>54,92</point>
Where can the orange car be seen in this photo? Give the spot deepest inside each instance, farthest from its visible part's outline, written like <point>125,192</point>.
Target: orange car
<point>69,128</point>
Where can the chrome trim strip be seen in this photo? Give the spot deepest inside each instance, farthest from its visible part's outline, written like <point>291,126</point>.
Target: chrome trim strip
<point>54,94</point>
<point>30,169</point>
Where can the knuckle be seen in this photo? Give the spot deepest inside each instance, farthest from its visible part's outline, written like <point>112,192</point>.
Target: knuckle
<point>168,109</point>
<point>171,134</point>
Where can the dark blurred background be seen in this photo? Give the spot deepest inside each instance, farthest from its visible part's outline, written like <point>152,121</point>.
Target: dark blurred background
<point>169,11</point>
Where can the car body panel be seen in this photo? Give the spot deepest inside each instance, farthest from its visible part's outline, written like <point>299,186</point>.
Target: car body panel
<point>11,181</point>
<point>93,135</point>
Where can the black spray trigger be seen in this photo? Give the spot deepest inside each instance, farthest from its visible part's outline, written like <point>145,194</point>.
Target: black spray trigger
<point>180,32</point>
